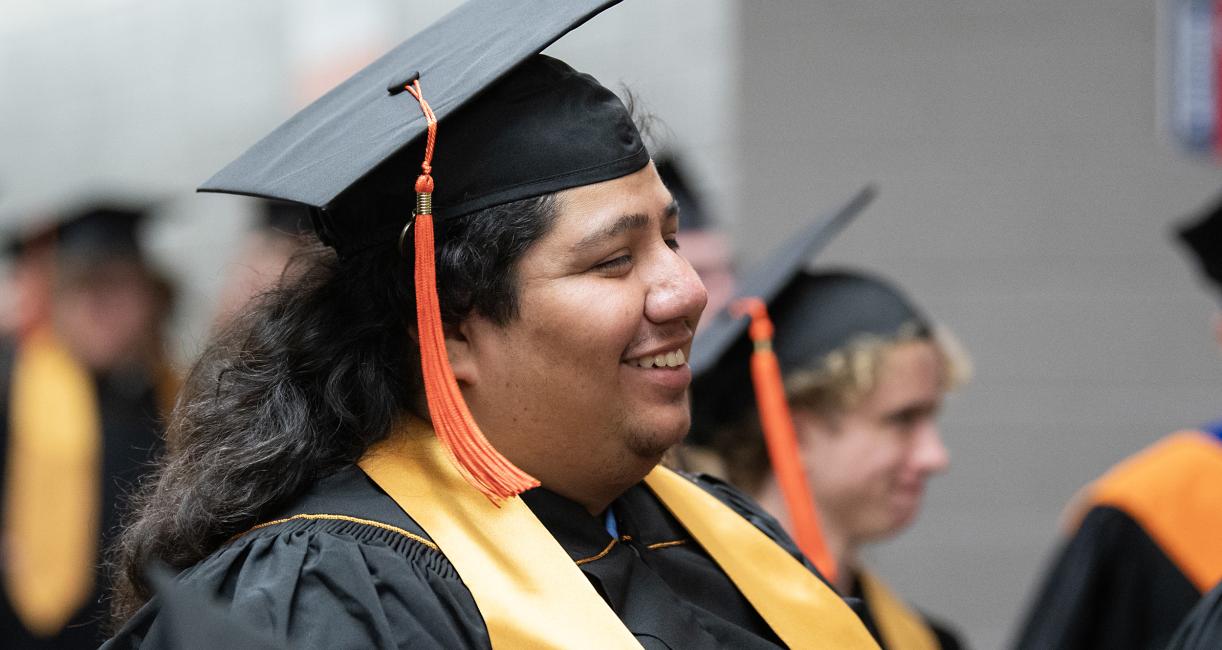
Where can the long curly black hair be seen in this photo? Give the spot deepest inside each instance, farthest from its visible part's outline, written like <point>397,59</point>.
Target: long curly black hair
<point>303,382</point>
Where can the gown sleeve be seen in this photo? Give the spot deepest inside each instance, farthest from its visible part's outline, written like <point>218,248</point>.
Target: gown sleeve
<point>330,584</point>
<point>1110,587</point>
<point>1202,630</point>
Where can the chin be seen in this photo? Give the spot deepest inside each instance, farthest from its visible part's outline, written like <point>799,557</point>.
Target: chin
<point>656,441</point>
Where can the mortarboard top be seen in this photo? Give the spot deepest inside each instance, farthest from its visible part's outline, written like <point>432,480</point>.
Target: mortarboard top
<point>354,153</point>
<point>766,279</point>
<point>1203,238</point>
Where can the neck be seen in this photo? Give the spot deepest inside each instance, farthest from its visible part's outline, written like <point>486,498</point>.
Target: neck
<point>842,549</point>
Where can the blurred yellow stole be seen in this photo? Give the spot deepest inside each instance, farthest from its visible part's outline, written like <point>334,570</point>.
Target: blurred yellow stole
<point>900,627</point>
<point>52,492</point>
<point>532,595</point>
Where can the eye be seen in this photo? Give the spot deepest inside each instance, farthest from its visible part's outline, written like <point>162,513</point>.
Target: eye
<point>672,242</point>
<point>618,264</point>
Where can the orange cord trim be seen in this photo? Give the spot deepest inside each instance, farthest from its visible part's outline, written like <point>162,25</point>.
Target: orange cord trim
<point>600,556</point>
<point>782,439</point>
<point>355,520</point>
<point>476,459</point>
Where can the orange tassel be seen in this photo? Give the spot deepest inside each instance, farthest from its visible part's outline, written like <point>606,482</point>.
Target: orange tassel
<point>476,459</point>
<point>782,439</point>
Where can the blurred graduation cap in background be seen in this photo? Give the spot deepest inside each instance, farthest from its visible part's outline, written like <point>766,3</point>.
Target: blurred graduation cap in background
<point>1203,238</point>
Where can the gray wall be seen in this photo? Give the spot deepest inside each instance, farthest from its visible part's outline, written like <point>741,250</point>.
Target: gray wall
<point>1026,193</point>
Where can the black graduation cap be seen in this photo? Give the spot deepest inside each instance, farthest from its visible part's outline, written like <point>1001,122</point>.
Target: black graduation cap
<point>537,127</point>
<point>766,279</point>
<point>721,388</point>
<point>1203,238</point>
<point>470,110</point>
<point>102,230</point>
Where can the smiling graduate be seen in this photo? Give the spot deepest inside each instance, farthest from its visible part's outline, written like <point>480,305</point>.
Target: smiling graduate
<point>446,432</point>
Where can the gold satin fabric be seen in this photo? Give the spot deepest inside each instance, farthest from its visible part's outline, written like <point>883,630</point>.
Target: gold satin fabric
<point>900,627</point>
<point>532,595</point>
<point>53,486</point>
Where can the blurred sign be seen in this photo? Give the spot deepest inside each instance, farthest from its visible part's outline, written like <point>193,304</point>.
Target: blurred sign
<point>1195,62</point>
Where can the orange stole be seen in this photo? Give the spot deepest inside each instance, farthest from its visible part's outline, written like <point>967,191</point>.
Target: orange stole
<point>532,595</point>
<point>1173,489</point>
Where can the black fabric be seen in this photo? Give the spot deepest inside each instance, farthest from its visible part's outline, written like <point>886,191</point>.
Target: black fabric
<point>101,231</point>
<point>1202,629</point>
<point>339,584</point>
<point>947,638</point>
<point>537,126</point>
<point>131,440</point>
<point>1112,587</point>
<point>813,314</point>
<point>1203,238</point>
<point>767,278</point>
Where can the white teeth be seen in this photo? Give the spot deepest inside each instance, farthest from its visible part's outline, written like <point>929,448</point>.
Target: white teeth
<point>672,359</point>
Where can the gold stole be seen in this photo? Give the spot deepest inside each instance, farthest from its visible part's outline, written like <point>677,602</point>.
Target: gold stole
<point>532,595</point>
<point>53,487</point>
<point>899,626</point>
<point>1173,489</point>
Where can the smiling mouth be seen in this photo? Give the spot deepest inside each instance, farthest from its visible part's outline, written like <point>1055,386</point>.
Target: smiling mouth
<point>672,359</point>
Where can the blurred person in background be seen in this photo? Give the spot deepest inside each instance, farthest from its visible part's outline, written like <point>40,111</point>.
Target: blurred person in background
<point>1144,541</point>
<point>81,398</point>
<point>278,234</point>
<point>864,376</point>
<point>26,298</point>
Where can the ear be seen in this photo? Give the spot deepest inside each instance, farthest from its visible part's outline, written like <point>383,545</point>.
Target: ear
<point>461,351</point>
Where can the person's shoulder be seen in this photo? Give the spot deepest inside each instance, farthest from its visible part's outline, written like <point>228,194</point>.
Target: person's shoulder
<point>340,567</point>
<point>345,510</point>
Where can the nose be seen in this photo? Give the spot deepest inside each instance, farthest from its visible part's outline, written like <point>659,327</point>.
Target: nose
<point>675,291</point>
<point>929,455</point>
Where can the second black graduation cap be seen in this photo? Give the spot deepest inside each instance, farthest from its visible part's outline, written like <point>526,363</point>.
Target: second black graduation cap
<point>710,399</point>
<point>538,127</point>
<point>1203,238</point>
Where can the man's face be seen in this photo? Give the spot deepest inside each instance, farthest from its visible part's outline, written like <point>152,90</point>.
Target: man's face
<point>589,382</point>
<point>868,467</point>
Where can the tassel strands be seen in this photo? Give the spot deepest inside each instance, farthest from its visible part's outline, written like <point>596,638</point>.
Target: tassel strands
<point>782,439</point>
<point>479,463</point>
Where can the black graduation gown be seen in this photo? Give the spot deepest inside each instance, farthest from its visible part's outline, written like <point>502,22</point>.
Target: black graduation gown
<point>1111,587</point>
<point>1202,630</point>
<point>330,583</point>
<point>947,638</point>
<point>131,439</point>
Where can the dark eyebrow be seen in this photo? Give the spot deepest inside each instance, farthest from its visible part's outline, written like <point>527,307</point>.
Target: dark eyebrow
<point>623,224</point>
